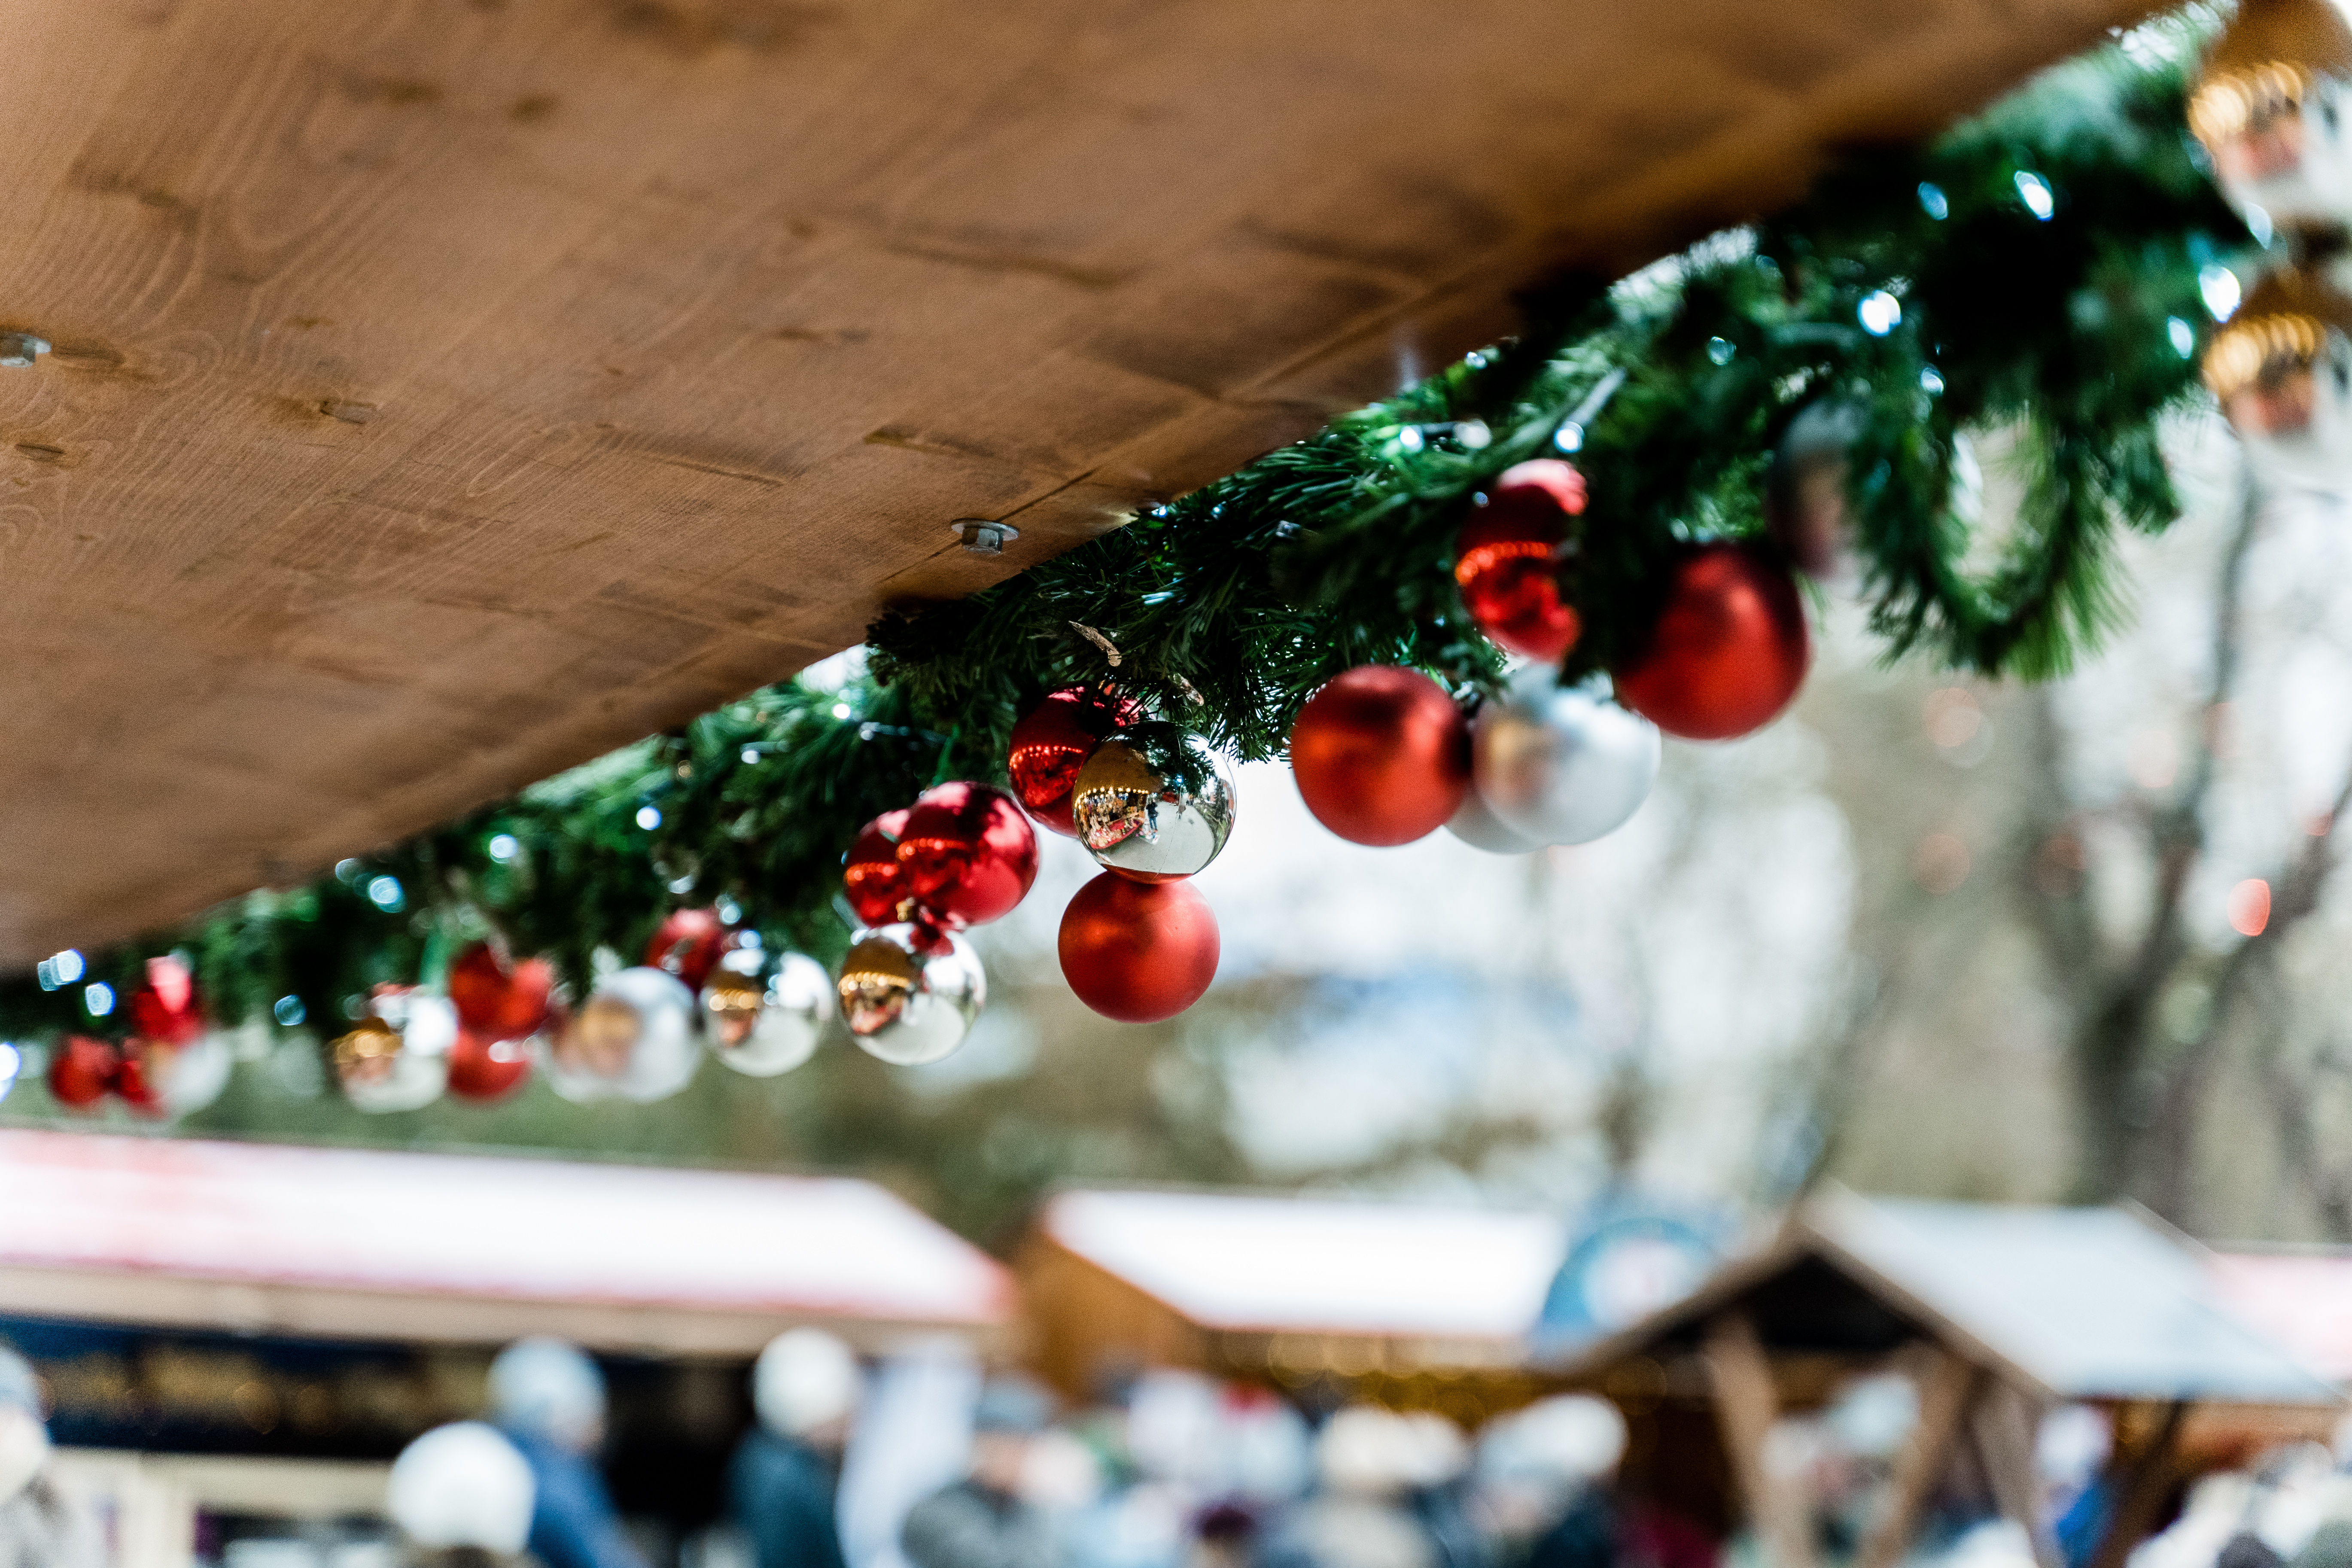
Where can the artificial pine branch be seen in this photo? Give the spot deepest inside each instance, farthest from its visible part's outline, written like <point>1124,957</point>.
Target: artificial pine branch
<point>1229,606</point>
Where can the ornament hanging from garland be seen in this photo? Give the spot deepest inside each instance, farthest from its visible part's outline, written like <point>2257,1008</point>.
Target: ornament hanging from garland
<point>687,945</point>
<point>967,853</point>
<point>1728,651</point>
<point>498,1001</point>
<point>634,1038</point>
<point>82,1071</point>
<point>1557,764</point>
<point>2273,106</point>
<point>1382,756</point>
<point>762,1019</point>
<point>397,1056</point>
<point>872,879</point>
<point>1507,561</point>
<point>2281,369</point>
<point>484,1070</point>
<point>1805,509</point>
<point>910,994</point>
<point>1154,803</point>
<point>1139,952</point>
<point>1052,741</point>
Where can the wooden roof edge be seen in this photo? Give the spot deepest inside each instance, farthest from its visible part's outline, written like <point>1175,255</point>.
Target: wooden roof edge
<point>1802,1236</point>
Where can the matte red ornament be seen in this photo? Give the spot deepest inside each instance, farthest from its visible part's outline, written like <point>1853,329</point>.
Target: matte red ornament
<point>687,945</point>
<point>871,876</point>
<point>967,853</point>
<point>165,1008</point>
<point>1729,648</point>
<point>1382,756</point>
<point>1504,561</point>
<point>1139,952</point>
<point>481,1068</point>
<point>496,1000</point>
<point>82,1070</point>
<point>140,1068</point>
<point>1052,741</point>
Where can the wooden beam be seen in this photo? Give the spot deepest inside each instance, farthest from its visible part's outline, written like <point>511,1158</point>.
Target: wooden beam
<point>2001,1421</point>
<point>2141,1482</point>
<point>446,391</point>
<point>1948,1386</point>
<point>1745,1405</point>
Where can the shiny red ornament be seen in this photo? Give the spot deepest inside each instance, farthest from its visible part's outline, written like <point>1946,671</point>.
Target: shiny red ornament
<point>687,945</point>
<point>165,1008</point>
<point>1382,756</point>
<point>81,1071</point>
<point>1139,952</point>
<point>496,1000</point>
<point>482,1069</point>
<point>1052,741</point>
<point>967,853</point>
<point>140,1068</point>
<point>1729,648</point>
<point>871,876</point>
<point>1504,561</point>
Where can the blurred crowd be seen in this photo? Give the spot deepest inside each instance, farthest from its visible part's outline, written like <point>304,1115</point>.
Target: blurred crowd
<point>923,1463</point>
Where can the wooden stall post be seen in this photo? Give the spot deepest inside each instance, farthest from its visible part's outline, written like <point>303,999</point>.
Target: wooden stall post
<point>2143,1483</point>
<point>1745,1405</point>
<point>2003,1426</point>
<point>1947,1387</point>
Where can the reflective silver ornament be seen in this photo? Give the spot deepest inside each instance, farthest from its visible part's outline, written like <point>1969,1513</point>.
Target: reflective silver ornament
<point>910,1006</point>
<point>1154,803</point>
<point>1479,828</point>
<point>397,1057</point>
<point>761,1027</point>
<point>632,1039</point>
<point>1558,765</point>
<point>1805,496</point>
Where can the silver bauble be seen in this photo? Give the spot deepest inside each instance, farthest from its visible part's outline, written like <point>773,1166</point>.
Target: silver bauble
<point>795,1003</point>
<point>1558,765</point>
<point>910,1006</point>
<point>198,1072</point>
<point>632,1039</point>
<point>1154,803</point>
<point>397,1057</point>
<point>1479,828</point>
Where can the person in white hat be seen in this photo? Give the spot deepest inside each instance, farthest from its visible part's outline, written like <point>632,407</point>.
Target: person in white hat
<point>781,1484</point>
<point>462,1497</point>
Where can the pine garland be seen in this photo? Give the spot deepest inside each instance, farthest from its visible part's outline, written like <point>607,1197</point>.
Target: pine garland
<point>2045,261</point>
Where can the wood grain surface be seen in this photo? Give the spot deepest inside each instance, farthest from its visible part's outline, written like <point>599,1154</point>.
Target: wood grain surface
<point>446,391</point>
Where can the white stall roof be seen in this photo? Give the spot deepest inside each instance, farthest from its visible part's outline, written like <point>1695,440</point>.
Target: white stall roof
<point>2077,1303</point>
<point>1289,1265</point>
<point>2302,1298</point>
<point>367,1244</point>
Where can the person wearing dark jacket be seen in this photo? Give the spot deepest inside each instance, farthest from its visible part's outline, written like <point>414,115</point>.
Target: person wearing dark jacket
<point>549,1400</point>
<point>784,1476</point>
<point>983,1520</point>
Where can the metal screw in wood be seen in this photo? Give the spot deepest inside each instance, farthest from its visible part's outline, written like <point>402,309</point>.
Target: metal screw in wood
<point>21,349</point>
<point>982,536</point>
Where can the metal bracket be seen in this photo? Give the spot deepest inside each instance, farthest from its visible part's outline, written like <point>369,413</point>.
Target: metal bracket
<point>982,536</point>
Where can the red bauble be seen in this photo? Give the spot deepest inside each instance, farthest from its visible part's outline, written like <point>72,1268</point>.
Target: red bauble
<point>1729,648</point>
<point>687,945</point>
<point>870,875</point>
<point>1381,754</point>
<point>82,1070</point>
<point>967,853</point>
<point>481,1068</point>
<point>1054,742</point>
<point>495,1001</point>
<point>165,1008</point>
<point>1504,561</point>
<point>1139,952</point>
<point>140,1067</point>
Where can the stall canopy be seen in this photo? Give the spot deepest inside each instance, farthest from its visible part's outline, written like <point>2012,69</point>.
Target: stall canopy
<point>2302,1298</point>
<point>425,1248</point>
<point>1996,1313</point>
<point>440,394</point>
<point>1397,1299</point>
